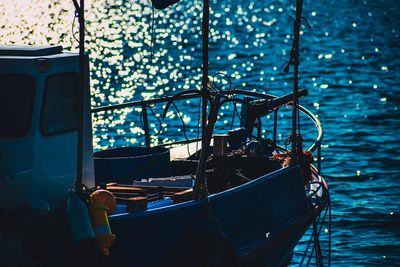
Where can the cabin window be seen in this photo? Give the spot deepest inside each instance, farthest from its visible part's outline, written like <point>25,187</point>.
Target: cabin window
<point>60,105</point>
<point>17,97</point>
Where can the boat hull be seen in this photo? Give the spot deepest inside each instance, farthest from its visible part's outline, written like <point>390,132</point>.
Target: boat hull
<point>257,223</point>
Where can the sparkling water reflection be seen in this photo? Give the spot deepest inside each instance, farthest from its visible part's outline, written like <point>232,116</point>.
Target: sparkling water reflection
<point>349,62</point>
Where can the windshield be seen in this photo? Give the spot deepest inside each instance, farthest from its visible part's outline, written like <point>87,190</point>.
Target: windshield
<point>16,96</point>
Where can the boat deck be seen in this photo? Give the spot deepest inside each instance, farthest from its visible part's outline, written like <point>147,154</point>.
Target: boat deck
<point>151,194</point>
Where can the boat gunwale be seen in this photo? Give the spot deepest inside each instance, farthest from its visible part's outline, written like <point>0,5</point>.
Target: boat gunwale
<point>211,197</point>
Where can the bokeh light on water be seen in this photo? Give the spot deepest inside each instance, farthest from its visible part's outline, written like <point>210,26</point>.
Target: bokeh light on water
<point>138,54</point>
<point>349,62</point>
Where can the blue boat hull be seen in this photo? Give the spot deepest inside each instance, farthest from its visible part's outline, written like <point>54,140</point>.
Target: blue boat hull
<point>255,224</point>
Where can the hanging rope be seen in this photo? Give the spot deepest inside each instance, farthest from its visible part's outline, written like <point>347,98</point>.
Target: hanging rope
<point>295,138</point>
<point>76,14</point>
<point>318,199</point>
<point>156,117</point>
<point>214,85</point>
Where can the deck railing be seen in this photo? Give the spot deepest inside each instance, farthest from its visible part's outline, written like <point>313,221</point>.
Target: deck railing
<point>145,104</point>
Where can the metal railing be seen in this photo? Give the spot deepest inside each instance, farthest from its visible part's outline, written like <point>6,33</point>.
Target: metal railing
<point>145,104</point>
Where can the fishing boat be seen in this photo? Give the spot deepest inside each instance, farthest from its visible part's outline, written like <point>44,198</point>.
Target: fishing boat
<point>232,199</point>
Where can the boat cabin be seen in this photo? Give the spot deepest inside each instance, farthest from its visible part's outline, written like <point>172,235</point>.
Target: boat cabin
<point>38,130</point>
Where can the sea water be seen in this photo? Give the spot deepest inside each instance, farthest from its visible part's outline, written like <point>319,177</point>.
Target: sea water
<point>350,63</point>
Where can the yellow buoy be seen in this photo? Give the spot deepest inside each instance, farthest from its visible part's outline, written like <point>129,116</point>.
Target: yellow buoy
<point>102,204</point>
<point>106,198</point>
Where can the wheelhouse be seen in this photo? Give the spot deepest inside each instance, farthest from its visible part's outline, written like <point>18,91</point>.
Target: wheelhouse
<point>38,126</point>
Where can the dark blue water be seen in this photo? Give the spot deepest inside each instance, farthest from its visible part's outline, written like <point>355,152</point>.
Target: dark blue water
<point>350,62</point>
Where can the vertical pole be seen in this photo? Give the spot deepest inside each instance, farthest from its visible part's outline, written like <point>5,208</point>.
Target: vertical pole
<point>200,183</point>
<point>146,125</point>
<point>296,62</point>
<point>204,80</point>
<point>318,256</point>
<point>81,88</point>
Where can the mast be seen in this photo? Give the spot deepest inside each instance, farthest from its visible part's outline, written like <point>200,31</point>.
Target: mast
<point>296,149</point>
<point>204,80</point>
<point>200,182</point>
<point>79,166</point>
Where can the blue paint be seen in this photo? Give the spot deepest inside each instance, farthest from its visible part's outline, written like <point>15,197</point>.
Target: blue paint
<point>349,63</point>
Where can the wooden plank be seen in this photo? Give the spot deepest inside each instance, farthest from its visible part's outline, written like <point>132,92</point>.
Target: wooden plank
<point>125,189</point>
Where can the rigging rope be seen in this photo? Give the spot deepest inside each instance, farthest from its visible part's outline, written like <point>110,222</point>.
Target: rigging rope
<point>315,200</point>
<point>76,14</point>
<point>214,85</point>
<point>155,116</point>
